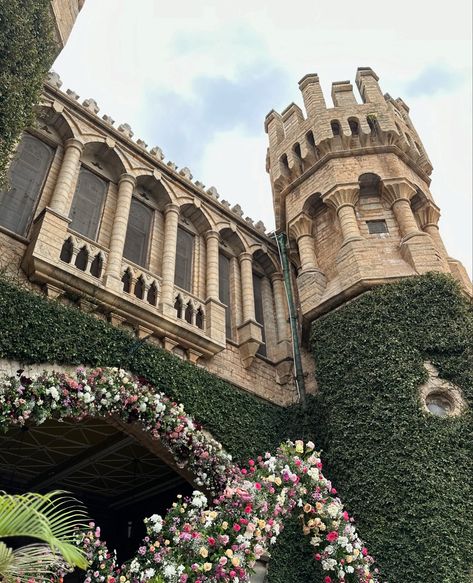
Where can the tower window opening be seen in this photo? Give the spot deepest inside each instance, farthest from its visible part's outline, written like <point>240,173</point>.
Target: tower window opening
<point>373,124</point>
<point>336,130</point>
<point>354,126</point>
<point>284,164</point>
<point>377,227</point>
<point>439,404</point>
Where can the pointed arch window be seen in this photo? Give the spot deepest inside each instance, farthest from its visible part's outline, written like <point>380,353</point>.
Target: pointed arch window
<point>87,204</point>
<point>138,233</point>
<point>184,252</point>
<point>27,174</point>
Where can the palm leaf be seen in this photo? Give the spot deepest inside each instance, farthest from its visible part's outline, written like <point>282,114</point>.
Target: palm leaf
<point>52,518</point>
<point>36,561</point>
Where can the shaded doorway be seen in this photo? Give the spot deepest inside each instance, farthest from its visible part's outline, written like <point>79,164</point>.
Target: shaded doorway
<point>118,479</point>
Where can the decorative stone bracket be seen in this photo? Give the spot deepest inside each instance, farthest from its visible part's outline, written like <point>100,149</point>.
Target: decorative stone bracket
<point>250,339</point>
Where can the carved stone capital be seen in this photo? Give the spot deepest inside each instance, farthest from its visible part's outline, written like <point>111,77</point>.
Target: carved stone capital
<point>74,143</point>
<point>212,235</point>
<point>127,178</point>
<point>396,189</point>
<point>245,256</point>
<point>301,226</point>
<point>343,195</point>
<point>429,215</point>
<point>171,208</point>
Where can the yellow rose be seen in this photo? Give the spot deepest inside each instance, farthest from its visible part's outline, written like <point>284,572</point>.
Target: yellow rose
<point>213,515</point>
<point>319,506</point>
<point>348,558</point>
<point>299,446</point>
<point>307,508</point>
<point>278,481</point>
<point>356,552</point>
<point>203,552</point>
<point>261,523</point>
<point>235,561</point>
<point>166,542</point>
<point>207,566</point>
<point>229,553</point>
<point>224,525</point>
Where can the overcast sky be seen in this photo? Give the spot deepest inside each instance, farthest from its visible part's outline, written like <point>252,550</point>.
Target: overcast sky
<point>198,78</point>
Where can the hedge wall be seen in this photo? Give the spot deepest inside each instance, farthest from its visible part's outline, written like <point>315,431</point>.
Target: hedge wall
<point>36,330</point>
<point>406,475</point>
<point>27,51</point>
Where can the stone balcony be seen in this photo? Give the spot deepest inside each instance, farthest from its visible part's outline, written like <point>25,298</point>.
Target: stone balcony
<point>67,263</point>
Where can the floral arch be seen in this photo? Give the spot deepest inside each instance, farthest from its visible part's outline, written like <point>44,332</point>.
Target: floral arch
<point>197,542</point>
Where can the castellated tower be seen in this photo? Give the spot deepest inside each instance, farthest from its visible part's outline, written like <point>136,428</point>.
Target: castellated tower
<point>351,190</point>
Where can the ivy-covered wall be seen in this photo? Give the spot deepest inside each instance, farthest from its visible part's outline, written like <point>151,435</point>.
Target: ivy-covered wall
<point>36,330</point>
<point>27,50</point>
<point>405,474</point>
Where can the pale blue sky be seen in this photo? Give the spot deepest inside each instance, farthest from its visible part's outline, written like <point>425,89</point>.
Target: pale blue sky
<point>197,79</point>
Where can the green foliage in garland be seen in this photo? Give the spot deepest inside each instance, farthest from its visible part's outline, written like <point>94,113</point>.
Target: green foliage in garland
<point>27,50</point>
<point>36,330</point>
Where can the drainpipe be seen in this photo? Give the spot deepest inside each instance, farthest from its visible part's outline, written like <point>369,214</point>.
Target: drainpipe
<point>300,384</point>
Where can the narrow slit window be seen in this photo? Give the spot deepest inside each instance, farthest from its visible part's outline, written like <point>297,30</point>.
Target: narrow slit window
<point>138,233</point>
<point>87,204</point>
<point>26,177</point>
<point>224,291</point>
<point>184,251</point>
<point>259,311</point>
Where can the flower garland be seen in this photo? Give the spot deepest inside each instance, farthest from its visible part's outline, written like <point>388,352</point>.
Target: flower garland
<point>197,542</point>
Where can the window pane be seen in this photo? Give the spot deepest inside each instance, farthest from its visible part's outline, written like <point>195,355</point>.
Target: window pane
<point>27,173</point>
<point>87,204</point>
<point>259,310</point>
<point>224,290</point>
<point>138,233</point>
<point>377,227</point>
<point>185,245</point>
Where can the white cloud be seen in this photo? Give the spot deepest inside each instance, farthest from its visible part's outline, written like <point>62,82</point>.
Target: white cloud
<point>123,51</point>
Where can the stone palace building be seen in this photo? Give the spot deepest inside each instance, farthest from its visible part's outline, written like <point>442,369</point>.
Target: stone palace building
<point>98,219</point>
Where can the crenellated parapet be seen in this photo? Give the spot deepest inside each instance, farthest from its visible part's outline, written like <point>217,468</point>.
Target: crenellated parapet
<point>299,144</point>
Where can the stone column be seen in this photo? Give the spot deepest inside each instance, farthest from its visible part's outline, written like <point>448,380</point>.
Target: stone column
<point>280,304</point>
<point>416,247</point>
<point>301,230</point>
<point>61,198</point>
<point>429,216</point>
<point>169,256</point>
<point>343,199</point>
<point>250,331</point>
<point>398,194</point>
<point>126,184</point>
<point>212,241</point>
<point>247,292</point>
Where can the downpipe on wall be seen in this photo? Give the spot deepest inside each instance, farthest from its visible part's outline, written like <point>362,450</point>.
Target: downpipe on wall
<point>293,320</point>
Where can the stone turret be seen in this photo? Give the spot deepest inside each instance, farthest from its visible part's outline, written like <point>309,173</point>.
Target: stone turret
<point>351,189</point>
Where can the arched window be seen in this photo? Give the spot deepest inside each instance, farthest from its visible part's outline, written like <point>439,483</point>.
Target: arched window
<point>184,252</point>
<point>138,233</point>
<point>126,280</point>
<point>87,204</point>
<point>96,265</point>
<point>152,296</point>
<point>336,131</point>
<point>354,126</point>
<point>284,164</point>
<point>140,288</point>
<point>27,173</point>
<point>67,251</point>
<point>82,259</point>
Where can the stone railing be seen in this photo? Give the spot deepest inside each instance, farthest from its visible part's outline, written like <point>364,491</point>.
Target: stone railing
<point>87,257</point>
<point>140,283</point>
<point>189,308</point>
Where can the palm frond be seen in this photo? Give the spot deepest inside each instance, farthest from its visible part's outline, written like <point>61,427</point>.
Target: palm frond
<point>51,518</point>
<point>36,561</point>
